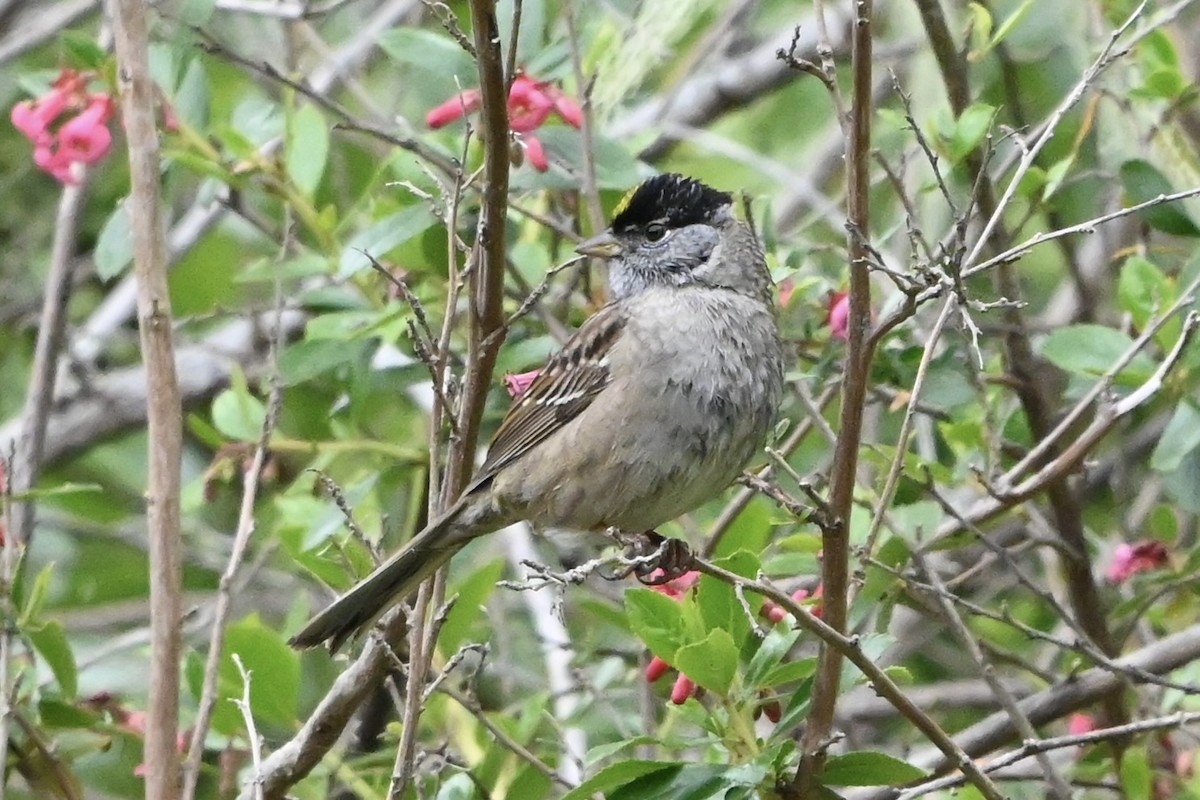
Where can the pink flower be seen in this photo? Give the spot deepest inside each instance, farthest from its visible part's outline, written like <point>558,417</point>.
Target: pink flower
<point>838,316</point>
<point>86,137</point>
<point>82,139</point>
<point>1080,724</point>
<point>530,103</point>
<point>34,117</point>
<point>1130,559</point>
<point>519,383</point>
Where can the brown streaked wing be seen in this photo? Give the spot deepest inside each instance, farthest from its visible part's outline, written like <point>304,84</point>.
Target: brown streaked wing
<point>566,386</point>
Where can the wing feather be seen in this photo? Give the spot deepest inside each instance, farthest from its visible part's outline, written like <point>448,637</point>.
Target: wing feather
<point>566,386</point>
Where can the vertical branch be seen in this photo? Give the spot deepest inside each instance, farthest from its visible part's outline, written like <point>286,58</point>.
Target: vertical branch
<point>486,282</point>
<point>485,286</point>
<point>835,535</point>
<point>162,396</point>
<point>52,326</point>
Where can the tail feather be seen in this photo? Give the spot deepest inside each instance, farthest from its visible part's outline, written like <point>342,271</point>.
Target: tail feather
<point>394,580</point>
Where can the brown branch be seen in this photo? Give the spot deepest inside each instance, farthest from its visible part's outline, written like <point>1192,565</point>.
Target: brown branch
<point>241,539</point>
<point>52,327</point>
<point>485,335</point>
<point>1056,784</point>
<point>165,414</point>
<point>1074,693</point>
<point>320,732</point>
<point>835,535</point>
<point>1039,746</point>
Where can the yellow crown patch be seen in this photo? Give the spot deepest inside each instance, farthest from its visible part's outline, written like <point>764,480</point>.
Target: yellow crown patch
<point>625,201</point>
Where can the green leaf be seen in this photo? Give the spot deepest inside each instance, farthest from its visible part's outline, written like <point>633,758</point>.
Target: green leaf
<point>1091,350</point>
<point>114,246</point>
<point>50,640</point>
<point>309,359</point>
<point>718,604</point>
<point>981,28</point>
<point>1136,775</point>
<point>791,671</point>
<point>82,52</point>
<point>62,490</point>
<point>435,52</point>
<point>970,129</point>
<point>1166,83</point>
<point>1178,440</point>
<point>617,775</point>
<point>1142,183</point>
<point>473,592</point>
<point>657,620</point>
<point>36,597</point>
<point>1056,174</point>
<point>307,148</point>
<point>770,653</point>
<point>1143,290</point>
<point>239,415</point>
<point>867,768</point>
<point>273,666</point>
<point>711,663</point>
<point>192,96</point>
<point>382,237</point>
<point>1010,22</point>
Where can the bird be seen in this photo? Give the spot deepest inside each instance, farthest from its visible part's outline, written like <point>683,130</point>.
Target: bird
<point>653,407</point>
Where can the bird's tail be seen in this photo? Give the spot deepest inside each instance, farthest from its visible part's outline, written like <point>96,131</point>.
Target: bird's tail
<point>394,580</point>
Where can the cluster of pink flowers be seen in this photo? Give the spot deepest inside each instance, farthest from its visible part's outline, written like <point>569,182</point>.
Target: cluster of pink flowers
<point>68,126</point>
<point>1130,559</point>
<point>530,103</point>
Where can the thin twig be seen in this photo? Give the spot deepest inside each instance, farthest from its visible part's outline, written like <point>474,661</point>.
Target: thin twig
<point>1057,785</point>
<point>241,540</point>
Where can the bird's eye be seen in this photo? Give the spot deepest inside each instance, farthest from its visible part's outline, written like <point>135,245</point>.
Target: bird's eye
<point>656,232</point>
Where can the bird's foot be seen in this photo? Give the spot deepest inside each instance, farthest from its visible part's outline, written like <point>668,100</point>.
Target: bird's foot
<point>655,559</point>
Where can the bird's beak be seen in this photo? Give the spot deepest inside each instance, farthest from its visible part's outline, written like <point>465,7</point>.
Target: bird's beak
<point>603,246</point>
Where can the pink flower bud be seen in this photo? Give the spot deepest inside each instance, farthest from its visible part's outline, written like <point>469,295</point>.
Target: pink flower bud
<point>1080,724</point>
<point>683,689</point>
<point>838,318</point>
<point>656,669</point>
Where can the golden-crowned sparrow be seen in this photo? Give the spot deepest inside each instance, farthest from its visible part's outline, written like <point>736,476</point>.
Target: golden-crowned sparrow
<point>652,407</point>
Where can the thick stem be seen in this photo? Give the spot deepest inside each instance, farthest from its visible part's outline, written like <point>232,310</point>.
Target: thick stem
<point>165,421</point>
<point>835,538</point>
